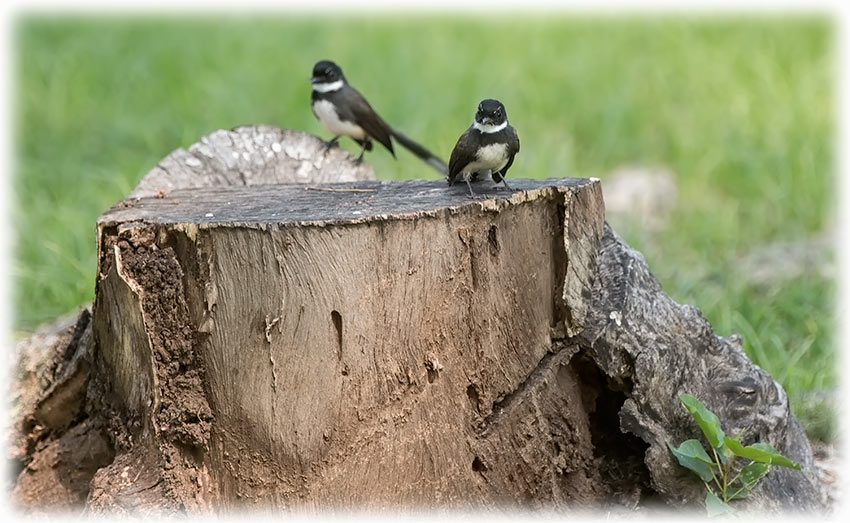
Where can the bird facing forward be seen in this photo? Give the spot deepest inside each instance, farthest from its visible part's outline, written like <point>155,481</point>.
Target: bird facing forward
<point>489,144</point>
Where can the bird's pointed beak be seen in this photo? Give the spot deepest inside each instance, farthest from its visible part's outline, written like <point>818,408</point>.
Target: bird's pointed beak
<point>486,120</point>
<point>314,80</point>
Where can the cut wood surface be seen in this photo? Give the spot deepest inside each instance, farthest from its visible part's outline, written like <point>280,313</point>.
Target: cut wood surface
<point>388,345</point>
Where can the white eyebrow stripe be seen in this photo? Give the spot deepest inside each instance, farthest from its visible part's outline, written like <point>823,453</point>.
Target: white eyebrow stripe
<point>490,129</point>
<point>326,88</point>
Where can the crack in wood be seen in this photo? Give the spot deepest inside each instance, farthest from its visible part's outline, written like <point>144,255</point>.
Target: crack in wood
<point>559,351</point>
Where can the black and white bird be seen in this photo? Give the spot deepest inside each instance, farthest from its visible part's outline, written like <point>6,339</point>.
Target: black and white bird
<point>344,112</point>
<point>489,144</point>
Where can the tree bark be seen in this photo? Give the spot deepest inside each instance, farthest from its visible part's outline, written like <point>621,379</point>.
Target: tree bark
<point>388,344</point>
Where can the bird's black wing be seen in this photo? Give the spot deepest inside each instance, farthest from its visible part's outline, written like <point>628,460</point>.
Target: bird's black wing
<point>462,154</point>
<point>366,117</point>
<point>512,140</point>
<point>513,149</point>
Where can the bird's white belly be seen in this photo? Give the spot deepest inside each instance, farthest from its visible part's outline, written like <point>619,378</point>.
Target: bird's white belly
<point>493,157</point>
<point>326,114</point>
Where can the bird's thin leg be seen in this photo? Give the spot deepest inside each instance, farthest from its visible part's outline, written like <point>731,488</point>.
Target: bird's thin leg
<point>471,193</point>
<point>359,159</point>
<point>505,181</point>
<point>499,176</point>
<point>333,142</point>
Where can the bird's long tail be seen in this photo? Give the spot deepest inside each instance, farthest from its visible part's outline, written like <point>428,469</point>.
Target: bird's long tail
<point>424,154</point>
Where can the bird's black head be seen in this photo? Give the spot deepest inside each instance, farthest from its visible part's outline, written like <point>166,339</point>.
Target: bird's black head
<point>326,72</point>
<point>491,112</point>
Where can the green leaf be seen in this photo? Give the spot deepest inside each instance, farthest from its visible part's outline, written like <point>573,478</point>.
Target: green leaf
<point>752,473</point>
<point>760,452</point>
<point>736,446</point>
<point>693,448</point>
<point>692,456</point>
<point>724,453</point>
<point>739,494</point>
<point>708,422</point>
<point>775,457</point>
<point>714,506</point>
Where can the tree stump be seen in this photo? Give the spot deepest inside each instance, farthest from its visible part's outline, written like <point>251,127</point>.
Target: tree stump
<point>393,345</point>
<point>251,155</point>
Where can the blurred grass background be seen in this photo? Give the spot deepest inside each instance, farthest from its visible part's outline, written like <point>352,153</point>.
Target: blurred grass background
<point>740,109</point>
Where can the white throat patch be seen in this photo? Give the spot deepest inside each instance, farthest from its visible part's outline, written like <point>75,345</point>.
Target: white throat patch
<point>489,129</point>
<point>328,87</point>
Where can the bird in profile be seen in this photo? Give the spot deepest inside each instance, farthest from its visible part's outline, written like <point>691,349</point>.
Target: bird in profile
<point>489,144</point>
<point>343,111</point>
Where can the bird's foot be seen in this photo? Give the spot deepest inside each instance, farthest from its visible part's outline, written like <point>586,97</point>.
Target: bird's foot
<point>499,177</point>
<point>359,159</point>
<point>330,144</point>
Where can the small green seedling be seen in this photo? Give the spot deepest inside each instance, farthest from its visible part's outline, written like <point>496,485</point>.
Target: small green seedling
<point>724,476</point>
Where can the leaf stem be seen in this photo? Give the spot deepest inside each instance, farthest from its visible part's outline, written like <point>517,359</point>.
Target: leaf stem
<point>726,483</point>
<point>720,470</point>
<point>738,475</point>
<point>736,493</point>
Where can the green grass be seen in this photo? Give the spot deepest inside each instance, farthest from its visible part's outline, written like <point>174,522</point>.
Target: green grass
<point>740,109</point>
